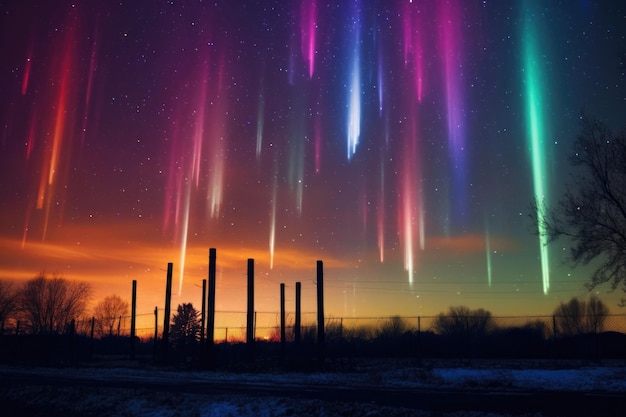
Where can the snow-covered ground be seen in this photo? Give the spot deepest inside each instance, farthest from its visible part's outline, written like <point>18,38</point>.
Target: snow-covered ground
<point>147,403</point>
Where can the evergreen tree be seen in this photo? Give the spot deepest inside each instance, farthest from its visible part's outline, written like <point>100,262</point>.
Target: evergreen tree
<point>185,328</point>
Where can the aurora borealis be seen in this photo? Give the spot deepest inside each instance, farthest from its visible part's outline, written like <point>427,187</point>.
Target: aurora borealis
<point>401,142</point>
<point>536,134</point>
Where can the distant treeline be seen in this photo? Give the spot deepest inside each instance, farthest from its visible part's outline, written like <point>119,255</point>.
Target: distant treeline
<point>46,321</point>
<point>461,337</point>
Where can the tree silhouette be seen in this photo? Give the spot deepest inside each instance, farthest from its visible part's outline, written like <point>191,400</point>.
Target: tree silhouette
<point>592,213</point>
<point>48,304</point>
<point>596,314</point>
<point>108,312</point>
<point>463,322</point>
<point>392,328</point>
<point>185,329</point>
<point>580,317</point>
<point>7,301</point>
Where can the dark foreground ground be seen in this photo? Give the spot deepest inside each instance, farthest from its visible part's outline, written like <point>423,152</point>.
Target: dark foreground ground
<point>151,393</point>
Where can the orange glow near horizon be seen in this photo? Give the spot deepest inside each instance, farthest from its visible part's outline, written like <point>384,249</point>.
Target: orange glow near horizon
<point>137,136</point>
<point>109,258</point>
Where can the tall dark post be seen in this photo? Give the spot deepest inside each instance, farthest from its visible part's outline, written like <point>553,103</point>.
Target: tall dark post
<point>156,333</point>
<point>250,316</point>
<point>203,311</point>
<point>553,338</point>
<point>93,325</point>
<point>166,319</point>
<point>71,332</point>
<point>210,322</point>
<point>419,339</point>
<point>296,330</point>
<point>210,311</point>
<point>133,313</point>
<point>320,311</point>
<point>282,319</point>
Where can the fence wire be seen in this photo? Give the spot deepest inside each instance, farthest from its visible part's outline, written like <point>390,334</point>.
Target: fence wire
<point>230,326</point>
<point>489,336</point>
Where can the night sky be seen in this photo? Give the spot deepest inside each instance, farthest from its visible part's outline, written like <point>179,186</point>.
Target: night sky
<point>400,142</point>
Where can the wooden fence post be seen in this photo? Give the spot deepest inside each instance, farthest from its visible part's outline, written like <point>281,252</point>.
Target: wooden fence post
<point>320,313</point>
<point>133,312</point>
<point>166,318</point>
<point>419,340</point>
<point>156,335</point>
<point>250,314</point>
<point>282,320</point>
<point>298,322</point>
<point>93,325</point>
<point>203,312</point>
<point>210,323</point>
<point>210,313</point>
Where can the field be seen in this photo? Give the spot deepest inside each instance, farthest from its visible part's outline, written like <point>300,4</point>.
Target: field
<point>372,388</point>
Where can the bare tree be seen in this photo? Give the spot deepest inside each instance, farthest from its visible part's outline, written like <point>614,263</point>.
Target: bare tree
<point>48,304</point>
<point>596,314</point>
<point>592,214</point>
<point>461,321</point>
<point>108,314</point>
<point>7,301</point>
<point>580,317</point>
<point>570,317</point>
<point>393,327</point>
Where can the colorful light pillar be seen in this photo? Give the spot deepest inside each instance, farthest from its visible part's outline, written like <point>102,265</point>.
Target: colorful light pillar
<point>536,132</point>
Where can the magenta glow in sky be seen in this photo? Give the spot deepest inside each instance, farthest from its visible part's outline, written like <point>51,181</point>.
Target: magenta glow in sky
<point>387,138</point>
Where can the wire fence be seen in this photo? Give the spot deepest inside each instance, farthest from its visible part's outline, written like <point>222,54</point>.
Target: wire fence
<point>425,336</point>
<point>230,326</point>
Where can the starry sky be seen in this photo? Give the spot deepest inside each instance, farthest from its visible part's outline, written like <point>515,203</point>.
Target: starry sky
<point>399,142</point>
